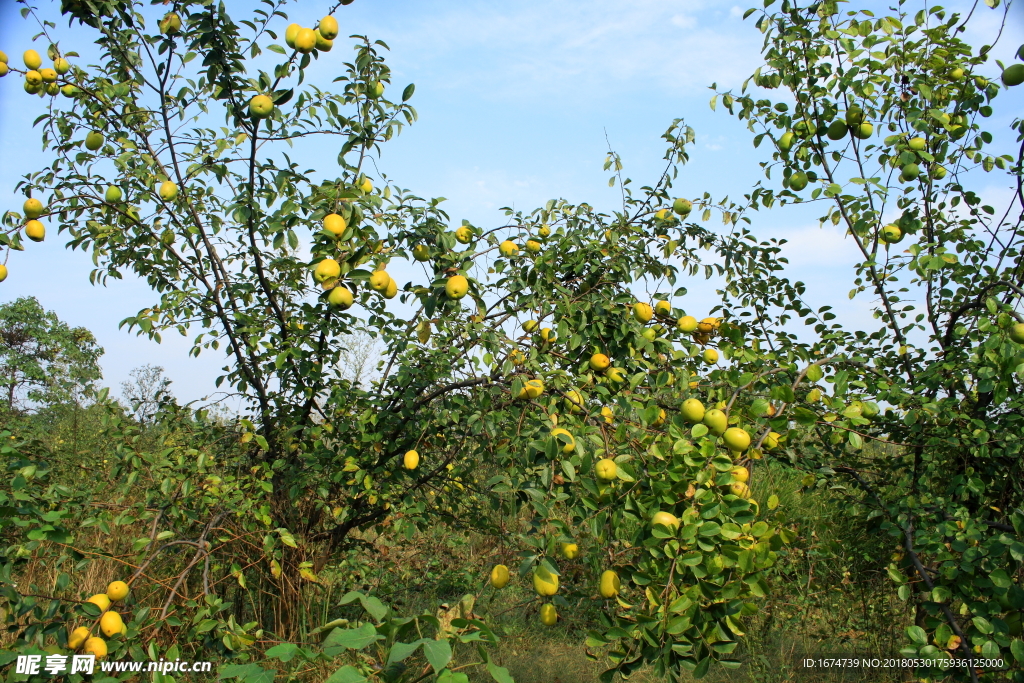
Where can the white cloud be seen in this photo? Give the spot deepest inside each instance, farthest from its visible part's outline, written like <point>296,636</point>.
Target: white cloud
<point>684,21</point>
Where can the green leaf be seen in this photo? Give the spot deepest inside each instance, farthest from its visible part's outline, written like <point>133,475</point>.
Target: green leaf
<point>447,676</point>
<point>346,674</point>
<point>917,634</point>
<point>1017,648</point>
<point>499,673</point>
<point>438,652</point>
<point>407,93</point>
<point>350,639</point>
<point>283,652</point>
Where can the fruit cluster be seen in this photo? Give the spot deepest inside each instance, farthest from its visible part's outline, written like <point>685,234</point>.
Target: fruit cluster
<point>109,622</point>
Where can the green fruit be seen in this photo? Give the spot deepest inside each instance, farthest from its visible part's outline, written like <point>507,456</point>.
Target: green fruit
<point>891,234</point>
<point>1013,75</point>
<point>93,141</point>
<point>798,181</point>
<point>803,129</point>
<point>1017,333</point>
<point>692,410</point>
<point>917,144</point>
<point>340,297</point>
<point>736,439</point>
<point>837,130</point>
<point>910,172</point>
<point>682,206</point>
<point>854,117</point>
<point>786,141</point>
<point>113,194</point>
<point>170,24</point>
<point>421,252</point>
<point>323,44</point>
<point>716,421</point>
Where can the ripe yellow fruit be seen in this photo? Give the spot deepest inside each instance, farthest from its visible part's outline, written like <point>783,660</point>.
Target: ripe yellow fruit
<point>3,272</point>
<point>666,519</point>
<point>642,312</point>
<point>4,69</point>
<point>529,326</point>
<point>335,224</point>
<point>379,280</point>
<point>305,40</point>
<point>575,401</point>
<point>568,447</point>
<point>421,252</point>
<point>517,357</point>
<point>607,414</point>
<point>660,419</point>
<point>548,614</point>
<point>499,576</point>
<point>323,44</point>
<point>35,231</point>
<point>710,356</point>
<point>340,297</point>
<point>687,324</point>
<point>533,246</point>
<point>464,234</point>
<point>374,89</point>
<point>709,325</point>
<point>716,421</point>
<point>33,208</point>
<point>663,308</point>
<point>739,489</point>
<point>740,474</point>
<point>32,59</point>
<point>49,75</point>
<point>326,270</point>
<point>168,191</point>
<point>95,646</point>
<point>661,214</point>
<point>891,234</point>
<point>532,388</point>
<point>456,287</point>
<point>329,27</point>
<point>411,460</point>
<point>1017,333</point>
<point>616,375</point>
<point>61,66</point>
<point>100,600</point>
<point>111,623</point>
<point>544,232</point>
<point>93,141</point>
<point>78,637</point>
<point>3,57</point>
<point>600,362</point>
<point>548,335</point>
<point>33,78</point>
<point>544,582</point>
<point>692,410</point>
<point>736,439</point>
<point>814,395</point>
<point>392,289</point>
<point>570,550</point>
<point>170,25</point>
<point>508,249</point>
<point>261,106</point>
<point>607,470</point>
<point>117,591</point>
<point>290,33</point>
<point>610,584</point>
<point>771,441</point>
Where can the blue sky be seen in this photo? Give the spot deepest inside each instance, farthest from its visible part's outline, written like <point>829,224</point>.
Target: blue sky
<point>515,100</point>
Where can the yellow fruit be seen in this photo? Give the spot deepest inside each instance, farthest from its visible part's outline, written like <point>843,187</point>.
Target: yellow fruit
<point>736,439</point>
<point>464,234</point>
<point>305,40</point>
<point>663,308</point>
<point>786,141</point>
<point>4,69</point>
<point>48,75</point>
<point>61,66</point>
<point>716,421</point>
<point>570,550</point>
<point>661,214</point>
<point>533,246</point>
<point>340,297</point>
<point>740,474</point>
<point>100,600</point>
<point>710,356</point>
<point>607,470</point>
<point>52,89</point>
<point>335,224</point>
<point>261,106</point>
<point>33,208</point>
<point>682,206</point>
<point>665,519</point>
<point>508,249</point>
<point>95,646</point>
<point>33,78</point>
<point>1017,333</point>
<point>660,420</point>
<point>708,325</point>
<point>600,362</point>
<point>814,395</point>
<point>891,234</point>
<point>35,231</point>
<point>379,280</point>
<point>548,614</point>
<point>544,582</point>
<point>392,289</point>
<point>687,324</point>
<point>111,623</point>
<point>739,489</point>
<point>374,89</point>
<point>326,270</point>
<point>532,388</point>
<point>411,460</point>
<point>290,33</point>
<point>456,287</point>
<point>548,335</point>
<point>516,356</point>
<point>607,414</point>
<point>170,25</point>
<point>3,272</point>
<point>544,232</point>
<point>692,410</point>
<point>917,144</point>
<point>610,584</point>
<point>117,591</point>
<point>771,442</point>
<point>567,447</point>
<point>93,141</point>
<point>168,191</point>
<point>323,44</point>
<point>616,375</point>
<point>32,59</point>
<point>113,195</point>
<point>643,312</point>
<point>499,576</point>
<point>575,401</point>
<point>78,637</point>
<point>329,27</point>
<point>421,252</point>
<point>529,326</point>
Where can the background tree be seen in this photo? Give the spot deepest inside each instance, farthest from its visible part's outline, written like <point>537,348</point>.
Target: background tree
<point>147,391</point>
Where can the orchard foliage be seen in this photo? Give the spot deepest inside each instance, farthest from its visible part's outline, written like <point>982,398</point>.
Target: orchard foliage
<point>554,386</point>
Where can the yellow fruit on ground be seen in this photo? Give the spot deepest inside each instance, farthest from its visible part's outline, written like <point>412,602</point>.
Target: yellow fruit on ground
<point>32,59</point>
<point>642,312</point>
<point>663,308</point>
<point>716,421</point>
<point>35,231</point>
<point>570,550</point>
<point>261,106</point>
<point>93,141</point>
<point>335,223</point>
<point>575,401</point>
<point>740,474</point>
<point>78,637</point>
<point>305,40</point>
<point>606,413</point>
<point>687,324</point>
<point>111,623</point>
<point>3,272</point>
<point>290,33</point>
<point>692,410</point>
<point>456,287</point>
<point>548,335</point>
<point>328,269</point>
<point>32,208</point>
<point>665,519</point>
<point>600,362</point>
<point>61,66</point>
<point>544,582</point>
<point>464,234</point>
<point>499,576</point>
<point>710,356</point>
<point>340,297</point>
<point>411,460</point>
<point>117,591</point>
<point>533,246</point>
<point>736,439</point>
<point>168,191</point>
<point>421,252</point>
<point>548,614</point>
<point>739,489</point>
<point>379,280</point>
<point>610,584</point>
<point>508,249</point>
<point>568,447</point>
<point>329,27</point>
<point>392,289</point>
<point>607,470</point>
<point>616,375</point>
<point>100,600</point>
<point>771,442</point>
<point>95,646</point>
